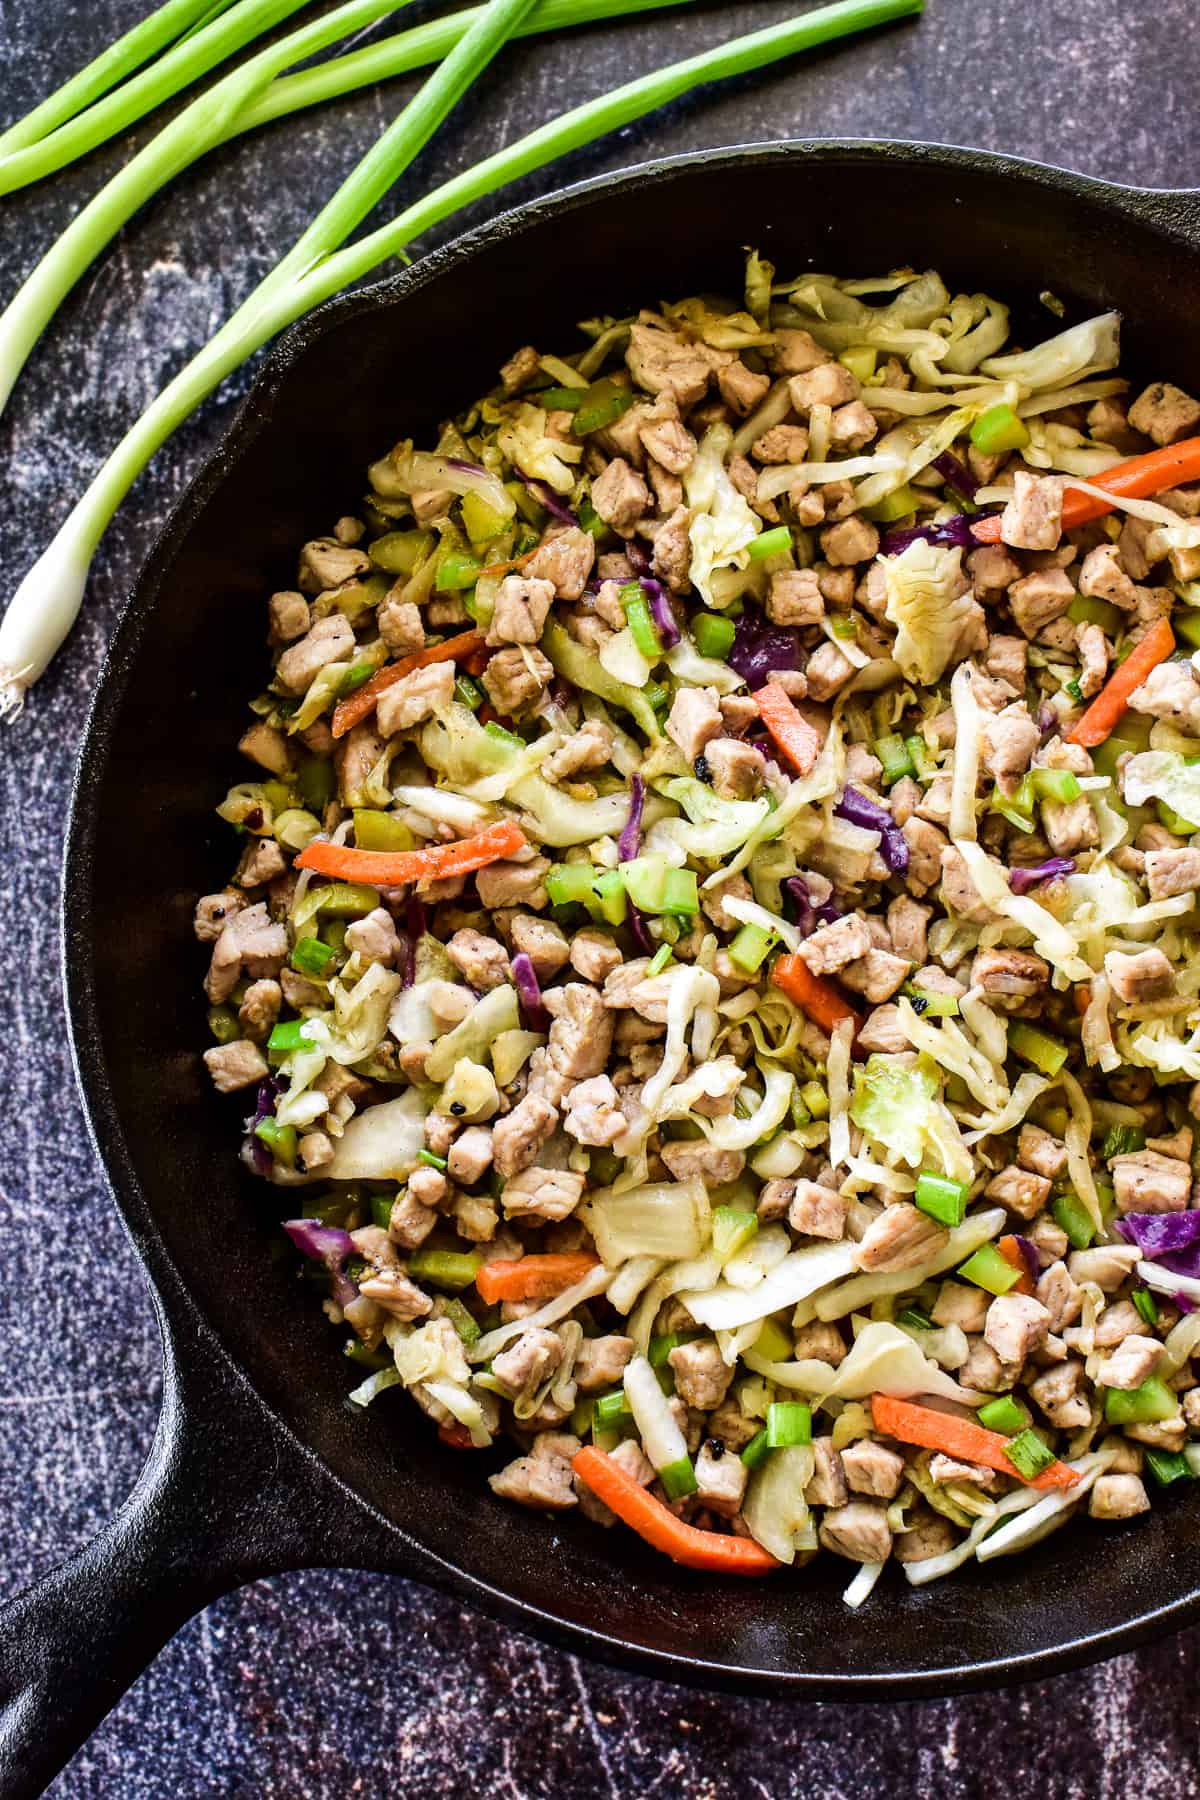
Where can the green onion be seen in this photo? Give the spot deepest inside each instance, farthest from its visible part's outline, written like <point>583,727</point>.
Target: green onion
<point>367,1359</point>
<point>224,1025</point>
<point>732,1229</point>
<point>1072,1216</point>
<point>589,519</point>
<point>757,1449</point>
<point>468,692</point>
<point>1150,1404</point>
<point>453,1269</point>
<point>602,405</point>
<point>678,1479</point>
<point>751,947</point>
<point>774,1343</point>
<point>1086,610</point>
<point>1055,784</point>
<point>989,1270</point>
<point>1122,1140</point>
<point>1004,1414</point>
<point>1174,821</point>
<point>381,1210</point>
<point>899,504</point>
<point>1168,1466</point>
<point>312,957</point>
<point>713,635</point>
<point>924,761</point>
<point>658,1355</point>
<point>1146,1304</point>
<point>895,756</point>
<point>1027,1454</point>
<point>288,1037</point>
<point>432,1160</point>
<point>611,1411</point>
<point>942,1198</point>
<point>771,543</point>
<point>456,571</point>
<point>914,1318</point>
<point>639,618</point>
<point>48,600</point>
<point>1108,754</point>
<point>998,430</point>
<point>816,1099</point>
<point>788,1422</point>
<point>659,960</point>
<point>374,830</point>
<point>348,900</point>
<point>280,1140</point>
<point>843,626</point>
<point>1032,1045</point>
<point>927,1005</point>
<point>561,399</point>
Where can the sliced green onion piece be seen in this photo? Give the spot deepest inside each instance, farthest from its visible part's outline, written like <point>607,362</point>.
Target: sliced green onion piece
<point>1168,1466</point>
<point>289,1036</point>
<point>658,1355</point>
<point>1185,625</point>
<point>1004,1414</point>
<point>1027,1454</point>
<point>601,406</point>
<point>1122,1140</point>
<point>1072,1216</point>
<point>312,957</point>
<point>636,608</point>
<point>1047,1054</point>
<point>281,1140</point>
<point>713,635</point>
<point>932,1006</point>
<point>924,761</point>
<point>1146,1304</point>
<point>432,1160</point>
<point>1085,609</point>
<point>895,756</point>
<point>732,1230</point>
<point>999,430</point>
<point>453,1269</point>
<point>1151,1404</point>
<point>659,960</point>
<point>367,1359</point>
<point>770,543</point>
<point>757,1450</point>
<point>381,1210</point>
<point>942,1198</point>
<point>989,1270</point>
<point>678,1479</point>
<point>611,1411</point>
<point>914,1318</point>
<point>788,1422</point>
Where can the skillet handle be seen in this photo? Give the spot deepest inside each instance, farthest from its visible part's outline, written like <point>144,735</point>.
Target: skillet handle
<point>223,1498</point>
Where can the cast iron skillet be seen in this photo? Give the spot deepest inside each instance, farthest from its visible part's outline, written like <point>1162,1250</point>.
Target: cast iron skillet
<point>259,1464</point>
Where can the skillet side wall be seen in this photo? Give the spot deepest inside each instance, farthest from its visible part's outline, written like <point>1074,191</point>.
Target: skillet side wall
<point>188,655</point>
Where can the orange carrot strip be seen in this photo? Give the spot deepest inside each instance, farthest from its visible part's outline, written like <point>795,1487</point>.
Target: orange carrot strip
<point>788,726</point>
<point>960,1438</point>
<point>455,1437</point>
<point>393,868</point>
<point>357,705</point>
<point>515,562</point>
<point>1135,479</point>
<point>1110,703</point>
<point>533,1277</point>
<point>820,999</point>
<point>719,1552</point>
<point>476,662</point>
<point>1010,1250</point>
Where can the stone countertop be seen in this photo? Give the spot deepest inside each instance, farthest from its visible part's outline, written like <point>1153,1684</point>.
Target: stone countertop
<point>338,1683</point>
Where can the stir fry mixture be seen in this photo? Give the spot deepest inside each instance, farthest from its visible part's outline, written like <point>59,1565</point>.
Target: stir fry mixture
<point>714,948</point>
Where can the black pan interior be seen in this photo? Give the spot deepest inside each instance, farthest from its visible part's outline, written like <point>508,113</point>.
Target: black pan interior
<point>389,364</point>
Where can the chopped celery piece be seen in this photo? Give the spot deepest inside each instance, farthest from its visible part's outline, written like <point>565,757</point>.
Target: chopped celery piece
<point>374,830</point>
<point>355,676</point>
<point>602,405</point>
<point>280,1140</point>
<point>1085,609</point>
<point>771,543</point>
<point>680,895</point>
<point>1107,755</point>
<point>312,957</point>
<point>348,900</point>
<point>1150,1404</point>
<point>288,1036</point>
<point>860,360</point>
<point>611,903</point>
<point>788,1422</point>
<point>481,522</point>
<point>1071,1215</point>
<point>932,1006</point>
<point>942,1198</point>
<point>751,947</point>
<point>223,1023</point>
<point>562,399</point>
<point>659,1352</point>
<point>367,1359</point>
<point>1045,1053</point>
<point>1122,1140</point>
<point>659,960</point>
<point>1004,1414</point>
<point>400,552</point>
<point>999,430</point>
<point>568,883</point>
<point>453,1269</point>
<point>1186,625</point>
<point>732,1230</point>
<point>381,1210</point>
<point>989,1270</point>
<point>895,756</point>
<point>317,780</point>
<point>1146,1304</point>
<point>816,1099</point>
<point>590,520</point>
<point>1055,784</point>
<point>1028,1454</point>
<point>678,1479</point>
<point>468,692</point>
<point>924,761</point>
<point>757,1450</point>
<point>713,635</point>
<point>774,1343</point>
<point>509,739</point>
<point>1173,821</point>
<point>896,505</point>
<point>1168,1466</point>
<point>456,571</point>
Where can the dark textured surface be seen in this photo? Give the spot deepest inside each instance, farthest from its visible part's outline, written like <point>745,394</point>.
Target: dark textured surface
<point>333,1684</point>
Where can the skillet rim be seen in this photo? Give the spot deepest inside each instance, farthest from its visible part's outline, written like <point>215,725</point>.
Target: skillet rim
<point>1173,214</point>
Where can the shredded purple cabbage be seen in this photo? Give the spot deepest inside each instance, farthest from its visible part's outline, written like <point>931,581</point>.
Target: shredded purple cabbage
<point>808,916</point>
<point>529,992</point>
<point>858,810</point>
<point>760,650</point>
<point>467,468</point>
<point>264,1108</point>
<point>630,840</point>
<point>954,532</point>
<point>956,474</point>
<point>660,609</point>
<point>1021,880</point>
<point>330,1245</point>
<point>547,496</point>
<point>641,936</point>
<point>1172,1239</point>
<point>1029,1256</point>
<point>1047,718</point>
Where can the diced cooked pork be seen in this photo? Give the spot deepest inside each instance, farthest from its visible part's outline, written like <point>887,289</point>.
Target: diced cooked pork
<point>694,720</point>
<point>1016,1325</point>
<point>1165,413</point>
<point>593,1113</point>
<point>1032,520</point>
<point>702,1376</point>
<point>872,1468</point>
<point>1135,979</point>
<point>542,1194</point>
<point>858,1531</point>
<point>521,607</point>
<point>414,698</point>
<point>520,1134</point>
<point>900,1238</point>
<point>815,1210</point>
<point>1144,1181</point>
<point>513,678</point>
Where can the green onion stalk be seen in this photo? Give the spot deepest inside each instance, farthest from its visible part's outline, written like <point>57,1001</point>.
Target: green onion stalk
<point>47,602</point>
<point>255,94</point>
